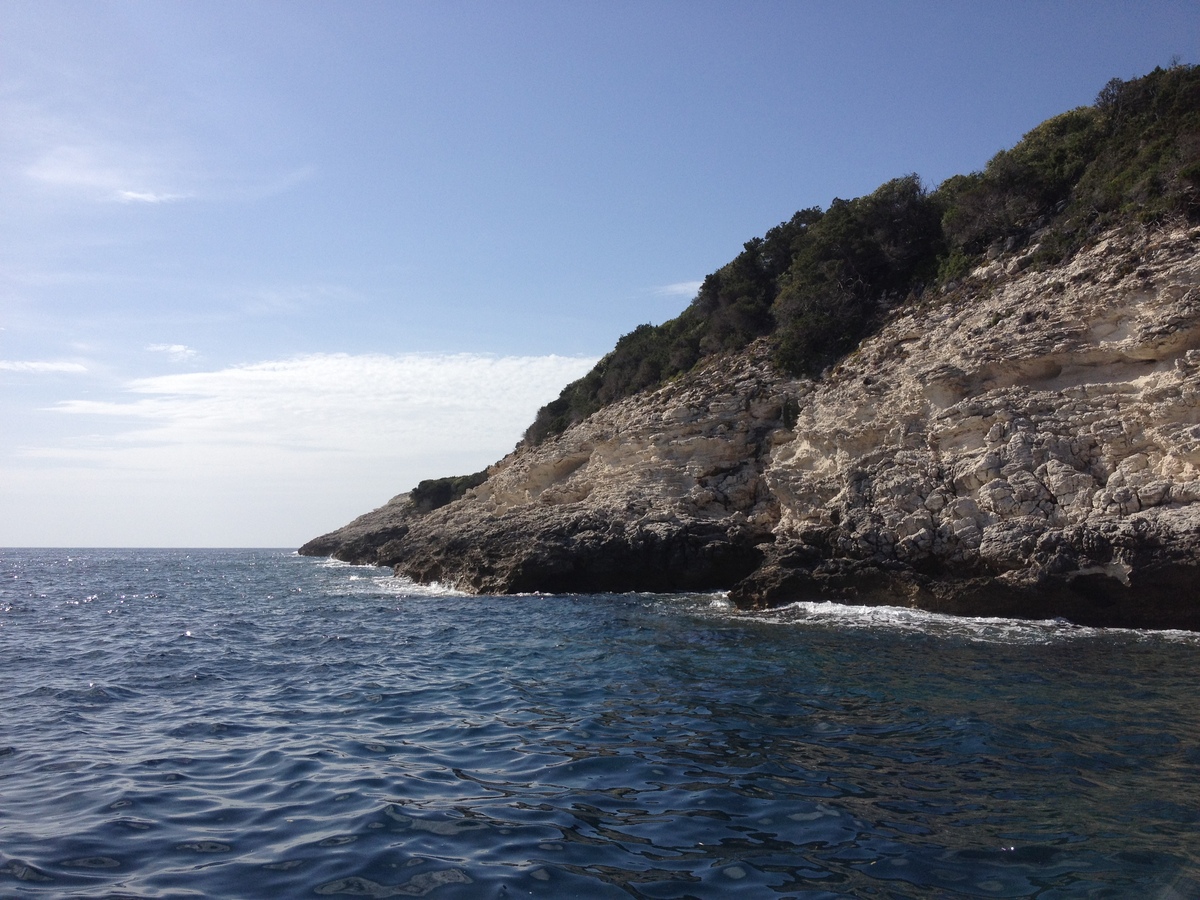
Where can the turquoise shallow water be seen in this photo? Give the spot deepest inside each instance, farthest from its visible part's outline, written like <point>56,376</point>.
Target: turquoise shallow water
<point>257,724</point>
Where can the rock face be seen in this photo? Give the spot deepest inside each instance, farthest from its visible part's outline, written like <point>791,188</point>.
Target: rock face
<point>657,492</point>
<point>1025,444</point>
<point>360,540</point>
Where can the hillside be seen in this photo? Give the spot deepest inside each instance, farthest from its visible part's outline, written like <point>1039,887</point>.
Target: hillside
<point>979,399</point>
<point>817,284</point>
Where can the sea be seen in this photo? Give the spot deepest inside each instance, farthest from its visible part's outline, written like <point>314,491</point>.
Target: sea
<point>252,723</point>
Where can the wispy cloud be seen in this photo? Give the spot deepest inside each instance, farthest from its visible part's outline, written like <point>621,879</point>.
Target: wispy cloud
<point>108,171</point>
<point>148,197</point>
<point>268,454</point>
<point>41,368</point>
<point>102,155</point>
<point>679,289</point>
<point>175,352</point>
<point>369,406</point>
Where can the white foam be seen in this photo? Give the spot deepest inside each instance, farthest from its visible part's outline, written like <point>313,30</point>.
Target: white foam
<point>371,579</point>
<point>400,584</point>
<point>983,629</point>
<point>330,563</point>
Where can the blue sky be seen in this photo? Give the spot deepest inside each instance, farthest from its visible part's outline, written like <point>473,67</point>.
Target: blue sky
<point>265,264</point>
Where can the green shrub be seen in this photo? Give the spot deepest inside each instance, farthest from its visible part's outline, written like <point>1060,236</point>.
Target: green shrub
<point>955,265</point>
<point>433,493</point>
<point>860,256</point>
<point>820,282</point>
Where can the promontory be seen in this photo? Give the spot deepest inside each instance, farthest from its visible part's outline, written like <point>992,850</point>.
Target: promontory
<point>980,399</point>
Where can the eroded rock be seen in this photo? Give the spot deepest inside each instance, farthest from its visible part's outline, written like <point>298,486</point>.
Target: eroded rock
<point>1026,444</point>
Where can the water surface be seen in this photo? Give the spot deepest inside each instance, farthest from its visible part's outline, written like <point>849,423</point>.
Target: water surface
<point>258,724</point>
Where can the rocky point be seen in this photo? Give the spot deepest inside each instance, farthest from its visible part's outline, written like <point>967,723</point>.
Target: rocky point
<point>1025,443</point>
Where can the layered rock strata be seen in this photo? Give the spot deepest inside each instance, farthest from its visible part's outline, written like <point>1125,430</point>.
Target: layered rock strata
<point>1027,444</point>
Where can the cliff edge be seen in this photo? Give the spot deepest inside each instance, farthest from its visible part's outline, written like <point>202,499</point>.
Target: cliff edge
<point>1027,443</point>
<point>982,400</point>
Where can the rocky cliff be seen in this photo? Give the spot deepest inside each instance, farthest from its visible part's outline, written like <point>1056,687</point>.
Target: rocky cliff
<point>1026,442</point>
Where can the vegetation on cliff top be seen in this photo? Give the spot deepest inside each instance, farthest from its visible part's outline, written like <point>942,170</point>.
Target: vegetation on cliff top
<point>434,493</point>
<point>820,282</point>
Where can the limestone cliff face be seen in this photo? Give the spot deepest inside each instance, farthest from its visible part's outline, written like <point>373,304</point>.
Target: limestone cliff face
<point>662,491</point>
<point>1025,444</point>
<point>1030,446</point>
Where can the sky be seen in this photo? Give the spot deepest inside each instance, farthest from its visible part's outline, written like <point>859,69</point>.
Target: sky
<point>264,265</point>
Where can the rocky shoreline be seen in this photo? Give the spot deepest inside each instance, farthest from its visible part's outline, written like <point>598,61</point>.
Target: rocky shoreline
<point>1026,443</point>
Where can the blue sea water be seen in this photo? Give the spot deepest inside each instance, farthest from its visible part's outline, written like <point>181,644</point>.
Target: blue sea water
<point>257,724</point>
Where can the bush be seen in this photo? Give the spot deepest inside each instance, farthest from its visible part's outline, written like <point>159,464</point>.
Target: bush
<point>1129,157</point>
<point>1022,185</point>
<point>818,283</point>
<point>732,308</point>
<point>861,256</point>
<point>434,493</point>
<point>955,266</point>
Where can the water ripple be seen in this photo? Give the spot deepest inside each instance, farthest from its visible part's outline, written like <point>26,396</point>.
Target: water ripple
<point>251,723</point>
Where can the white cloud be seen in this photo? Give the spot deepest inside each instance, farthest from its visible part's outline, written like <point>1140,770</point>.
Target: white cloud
<point>40,368</point>
<point>105,170</point>
<point>680,289</point>
<point>337,403</point>
<point>148,197</point>
<point>176,352</point>
<point>270,453</point>
<point>99,154</point>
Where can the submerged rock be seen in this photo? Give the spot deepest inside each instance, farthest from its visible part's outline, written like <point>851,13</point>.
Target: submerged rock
<point>1028,444</point>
